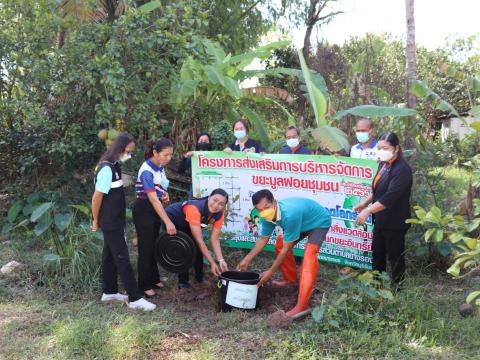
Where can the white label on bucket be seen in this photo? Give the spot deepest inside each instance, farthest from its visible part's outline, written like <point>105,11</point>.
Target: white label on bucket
<point>241,295</point>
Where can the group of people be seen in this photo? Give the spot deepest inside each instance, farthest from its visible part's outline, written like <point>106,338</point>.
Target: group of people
<point>297,217</point>
<point>150,213</point>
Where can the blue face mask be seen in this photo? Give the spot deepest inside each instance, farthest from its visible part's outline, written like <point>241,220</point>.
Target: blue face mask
<point>292,142</point>
<point>164,182</point>
<point>362,137</point>
<point>239,134</point>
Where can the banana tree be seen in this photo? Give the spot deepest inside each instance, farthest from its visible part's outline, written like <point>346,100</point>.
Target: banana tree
<point>327,136</point>
<point>212,81</point>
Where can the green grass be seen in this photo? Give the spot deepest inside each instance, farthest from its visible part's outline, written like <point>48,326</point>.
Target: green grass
<point>53,322</point>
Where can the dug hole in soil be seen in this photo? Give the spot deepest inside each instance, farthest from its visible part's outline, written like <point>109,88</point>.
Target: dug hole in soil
<point>203,300</point>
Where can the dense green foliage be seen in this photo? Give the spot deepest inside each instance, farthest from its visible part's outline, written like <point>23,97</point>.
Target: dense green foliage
<point>55,100</point>
<point>54,97</point>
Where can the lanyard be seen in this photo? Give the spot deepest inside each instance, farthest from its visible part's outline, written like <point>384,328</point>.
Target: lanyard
<point>382,172</point>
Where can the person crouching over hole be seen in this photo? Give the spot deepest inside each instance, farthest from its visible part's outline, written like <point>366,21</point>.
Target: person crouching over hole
<point>189,217</point>
<point>298,218</point>
<point>148,212</point>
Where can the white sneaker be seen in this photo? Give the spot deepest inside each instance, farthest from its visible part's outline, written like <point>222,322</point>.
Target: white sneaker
<point>117,297</point>
<point>142,304</point>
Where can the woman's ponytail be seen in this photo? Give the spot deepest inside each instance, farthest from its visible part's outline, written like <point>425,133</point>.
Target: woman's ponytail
<point>149,149</point>
<point>157,145</point>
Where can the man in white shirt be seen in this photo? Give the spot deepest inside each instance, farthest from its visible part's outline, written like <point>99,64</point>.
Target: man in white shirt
<point>367,144</point>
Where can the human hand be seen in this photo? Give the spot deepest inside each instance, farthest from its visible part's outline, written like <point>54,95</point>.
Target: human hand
<point>250,150</point>
<point>243,265</point>
<point>94,226</point>
<point>228,150</point>
<point>362,217</point>
<point>264,278</point>
<point>165,198</point>
<point>359,207</point>
<point>188,154</point>
<point>215,269</point>
<point>171,230</point>
<point>223,265</point>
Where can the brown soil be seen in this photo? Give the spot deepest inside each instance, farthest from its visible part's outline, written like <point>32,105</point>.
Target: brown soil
<point>466,309</point>
<point>178,342</point>
<point>204,298</point>
<point>278,320</point>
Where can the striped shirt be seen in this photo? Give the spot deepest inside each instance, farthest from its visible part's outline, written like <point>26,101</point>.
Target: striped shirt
<point>151,178</point>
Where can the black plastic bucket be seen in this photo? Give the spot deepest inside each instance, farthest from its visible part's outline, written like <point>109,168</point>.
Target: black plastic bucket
<point>175,253</point>
<point>238,290</point>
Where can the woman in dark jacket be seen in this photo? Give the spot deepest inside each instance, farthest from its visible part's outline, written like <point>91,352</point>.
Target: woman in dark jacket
<point>204,143</point>
<point>243,143</point>
<point>390,206</point>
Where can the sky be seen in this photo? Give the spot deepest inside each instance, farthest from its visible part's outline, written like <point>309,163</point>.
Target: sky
<point>434,20</point>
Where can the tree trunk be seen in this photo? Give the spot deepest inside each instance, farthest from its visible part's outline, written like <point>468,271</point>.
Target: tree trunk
<point>306,44</point>
<point>314,17</point>
<point>61,38</point>
<point>411,67</point>
<point>302,101</point>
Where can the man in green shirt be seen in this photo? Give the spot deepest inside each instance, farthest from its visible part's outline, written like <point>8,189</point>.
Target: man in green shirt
<point>298,218</point>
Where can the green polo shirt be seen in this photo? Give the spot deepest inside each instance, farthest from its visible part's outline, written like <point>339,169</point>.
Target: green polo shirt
<point>296,216</point>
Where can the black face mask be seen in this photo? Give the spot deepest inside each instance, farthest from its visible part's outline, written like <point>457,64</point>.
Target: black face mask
<point>204,147</point>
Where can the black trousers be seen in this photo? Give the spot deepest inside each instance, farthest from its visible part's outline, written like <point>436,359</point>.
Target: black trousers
<point>147,225</point>
<point>389,244</point>
<point>197,264</point>
<point>116,261</point>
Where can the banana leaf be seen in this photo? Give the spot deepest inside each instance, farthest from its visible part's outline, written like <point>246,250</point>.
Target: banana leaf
<point>232,86</point>
<point>263,100</point>
<point>263,52</point>
<point>259,124</point>
<point>420,89</point>
<point>331,138</point>
<point>373,111</point>
<point>150,6</point>
<point>317,100</point>
<point>317,79</point>
<point>327,136</point>
<point>217,54</point>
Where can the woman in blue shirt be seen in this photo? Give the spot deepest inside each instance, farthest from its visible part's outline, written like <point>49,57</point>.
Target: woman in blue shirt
<point>108,212</point>
<point>148,212</point>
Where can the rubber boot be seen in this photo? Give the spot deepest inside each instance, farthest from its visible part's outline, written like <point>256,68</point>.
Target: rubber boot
<point>308,278</point>
<point>288,267</point>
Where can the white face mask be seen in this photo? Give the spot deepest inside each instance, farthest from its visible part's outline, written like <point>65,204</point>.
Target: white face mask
<point>240,134</point>
<point>384,155</point>
<point>125,157</point>
<point>292,142</point>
